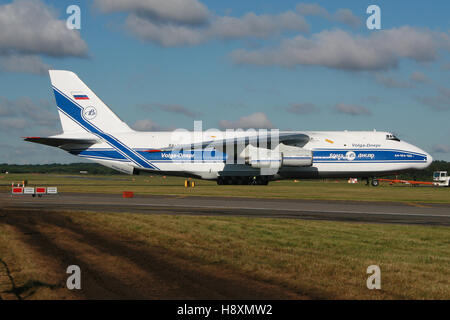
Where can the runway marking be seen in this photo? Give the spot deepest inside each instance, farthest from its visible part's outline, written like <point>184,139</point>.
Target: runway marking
<point>418,205</point>
<point>295,210</point>
<point>253,208</point>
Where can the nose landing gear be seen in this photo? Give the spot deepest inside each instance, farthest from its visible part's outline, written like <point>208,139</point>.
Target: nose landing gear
<point>374,181</point>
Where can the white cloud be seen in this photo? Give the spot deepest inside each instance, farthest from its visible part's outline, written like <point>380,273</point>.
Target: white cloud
<point>445,66</point>
<point>256,120</point>
<point>353,110</point>
<point>7,124</point>
<point>18,151</point>
<point>347,17</point>
<point>252,25</point>
<point>172,108</point>
<point>441,148</point>
<point>175,11</point>
<point>30,27</point>
<point>24,63</point>
<point>344,16</point>
<point>5,109</point>
<point>419,77</point>
<point>338,49</point>
<point>390,82</point>
<point>29,30</point>
<point>26,113</point>
<point>148,125</point>
<point>372,99</point>
<point>171,31</point>
<point>439,102</point>
<point>168,35</point>
<point>312,9</point>
<point>302,108</point>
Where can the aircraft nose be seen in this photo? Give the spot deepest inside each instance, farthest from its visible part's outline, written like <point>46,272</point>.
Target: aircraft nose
<point>429,159</point>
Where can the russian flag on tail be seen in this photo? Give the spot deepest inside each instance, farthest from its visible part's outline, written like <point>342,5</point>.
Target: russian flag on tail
<point>80,96</point>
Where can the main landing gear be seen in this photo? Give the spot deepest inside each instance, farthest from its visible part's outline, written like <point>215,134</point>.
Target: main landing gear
<point>374,182</point>
<point>243,180</point>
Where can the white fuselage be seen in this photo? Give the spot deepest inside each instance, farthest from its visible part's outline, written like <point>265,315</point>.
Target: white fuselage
<point>91,130</point>
<point>335,154</point>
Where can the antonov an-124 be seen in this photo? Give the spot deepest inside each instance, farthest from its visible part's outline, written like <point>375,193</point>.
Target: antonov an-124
<point>92,131</point>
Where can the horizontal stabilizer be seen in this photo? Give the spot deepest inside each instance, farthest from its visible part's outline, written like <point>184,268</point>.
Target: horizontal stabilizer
<point>60,142</point>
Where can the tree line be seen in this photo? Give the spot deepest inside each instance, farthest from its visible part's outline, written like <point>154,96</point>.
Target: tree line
<point>90,168</point>
<point>93,168</point>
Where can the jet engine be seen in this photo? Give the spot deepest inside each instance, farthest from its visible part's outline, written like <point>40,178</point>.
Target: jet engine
<point>281,156</point>
<point>264,158</point>
<point>297,158</point>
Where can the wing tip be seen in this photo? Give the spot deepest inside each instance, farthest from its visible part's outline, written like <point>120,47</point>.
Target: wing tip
<point>31,138</point>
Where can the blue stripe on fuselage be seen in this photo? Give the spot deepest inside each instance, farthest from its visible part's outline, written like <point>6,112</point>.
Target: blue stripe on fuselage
<point>319,156</point>
<point>370,155</point>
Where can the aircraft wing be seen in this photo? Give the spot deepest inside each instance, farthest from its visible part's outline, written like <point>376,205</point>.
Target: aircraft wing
<point>285,138</point>
<point>60,142</point>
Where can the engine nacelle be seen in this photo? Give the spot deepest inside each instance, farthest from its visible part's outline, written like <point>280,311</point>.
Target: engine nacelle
<point>270,160</point>
<point>262,158</point>
<point>282,156</point>
<point>298,158</point>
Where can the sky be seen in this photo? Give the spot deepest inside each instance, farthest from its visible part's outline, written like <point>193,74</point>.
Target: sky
<point>291,65</point>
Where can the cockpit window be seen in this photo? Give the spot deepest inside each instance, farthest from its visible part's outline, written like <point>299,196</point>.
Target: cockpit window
<point>390,136</point>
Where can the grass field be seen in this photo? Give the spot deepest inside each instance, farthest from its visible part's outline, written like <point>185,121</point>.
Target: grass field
<point>312,259</point>
<point>316,259</point>
<point>303,189</point>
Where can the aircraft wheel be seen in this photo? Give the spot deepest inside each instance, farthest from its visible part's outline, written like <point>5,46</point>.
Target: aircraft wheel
<point>375,183</point>
<point>220,181</point>
<point>242,180</point>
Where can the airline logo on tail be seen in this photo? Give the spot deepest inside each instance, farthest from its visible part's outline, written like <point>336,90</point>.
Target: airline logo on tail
<point>90,113</point>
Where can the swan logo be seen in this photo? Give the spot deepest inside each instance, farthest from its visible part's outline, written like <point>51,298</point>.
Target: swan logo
<point>89,113</point>
<point>350,156</point>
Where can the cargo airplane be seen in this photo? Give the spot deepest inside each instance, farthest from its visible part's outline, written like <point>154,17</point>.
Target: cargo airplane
<point>92,131</point>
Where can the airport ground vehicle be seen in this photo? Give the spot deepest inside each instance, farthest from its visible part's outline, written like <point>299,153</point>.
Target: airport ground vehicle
<point>441,178</point>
